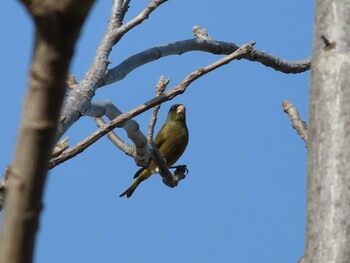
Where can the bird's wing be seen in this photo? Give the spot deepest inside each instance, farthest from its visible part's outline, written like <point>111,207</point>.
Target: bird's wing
<point>162,135</point>
<point>171,141</point>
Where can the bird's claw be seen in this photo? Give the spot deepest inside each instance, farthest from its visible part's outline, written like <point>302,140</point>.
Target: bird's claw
<point>179,174</point>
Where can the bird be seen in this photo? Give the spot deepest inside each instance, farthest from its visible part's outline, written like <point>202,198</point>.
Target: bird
<point>171,140</point>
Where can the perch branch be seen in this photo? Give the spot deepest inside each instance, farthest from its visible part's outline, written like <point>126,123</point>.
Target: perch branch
<point>176,177</point>
<point>168,95</point>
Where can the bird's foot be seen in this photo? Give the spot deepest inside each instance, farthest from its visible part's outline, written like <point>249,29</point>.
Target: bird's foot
<point>179,174</point>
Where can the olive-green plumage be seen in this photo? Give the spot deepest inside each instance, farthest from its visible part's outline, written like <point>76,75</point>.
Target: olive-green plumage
<point>171,140</point>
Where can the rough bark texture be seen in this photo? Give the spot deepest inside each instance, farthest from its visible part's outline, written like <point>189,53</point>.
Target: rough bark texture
<point>328,200</point>
<point>57,28</point>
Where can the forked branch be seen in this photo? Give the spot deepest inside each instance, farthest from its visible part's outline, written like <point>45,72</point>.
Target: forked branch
<point>168,95</point>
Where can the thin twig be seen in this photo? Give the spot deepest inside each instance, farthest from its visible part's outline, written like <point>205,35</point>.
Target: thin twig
<point>297,123</point>
<point>161,85</point>
<point>169,95</point>
<point>125,8</point>
<point>152,123</point>
<point>156,155</point>
<point>121,31</point>
<point>301,260</point>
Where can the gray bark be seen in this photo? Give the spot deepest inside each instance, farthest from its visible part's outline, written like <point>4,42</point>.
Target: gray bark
<point>328,190</point>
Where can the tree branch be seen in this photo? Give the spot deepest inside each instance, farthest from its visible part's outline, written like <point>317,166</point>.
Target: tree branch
<point>119,32</point>
<point>120,71</point>
<point>60,147</point>
<point>297,123</point>
<point>156,155</point>
<point>117,16</point>
<point>141,152</point>
<point>116,140</point>
<point>161,85</point>
<point>125,8</point>
<point>173,92</point>
<point>78,101</point>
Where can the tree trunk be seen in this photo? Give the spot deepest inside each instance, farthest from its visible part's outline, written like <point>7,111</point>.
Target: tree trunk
<point>328,190</point>
<point>58,26</point>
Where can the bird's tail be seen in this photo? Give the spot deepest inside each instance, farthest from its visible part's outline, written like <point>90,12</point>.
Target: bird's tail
<point>143,176</point>
<point>137,174</point>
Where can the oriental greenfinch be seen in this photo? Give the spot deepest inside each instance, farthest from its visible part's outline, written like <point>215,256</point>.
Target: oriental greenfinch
<point>171,141</point>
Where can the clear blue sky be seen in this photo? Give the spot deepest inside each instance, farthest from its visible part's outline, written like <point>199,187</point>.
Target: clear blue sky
<point>244,198</point>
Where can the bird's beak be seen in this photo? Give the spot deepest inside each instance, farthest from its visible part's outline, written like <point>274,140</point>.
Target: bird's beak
<point>181,109</point>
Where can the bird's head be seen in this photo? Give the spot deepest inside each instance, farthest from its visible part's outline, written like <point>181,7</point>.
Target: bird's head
<point>177,112</point>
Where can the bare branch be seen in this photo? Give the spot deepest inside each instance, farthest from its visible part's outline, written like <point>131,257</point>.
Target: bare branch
<point>120,71</point>
<point>162,83</point>
<point>117,16</point>
<point>125,8</point>
<point>141,152</point>
<point>60,147</point>
<point>121,31</point>
<point>156,155</point>
<point>78,101</point>
<point>115,139</point>
<point>297,123</point>
<point>152,123</point>
<point>173,92</point>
